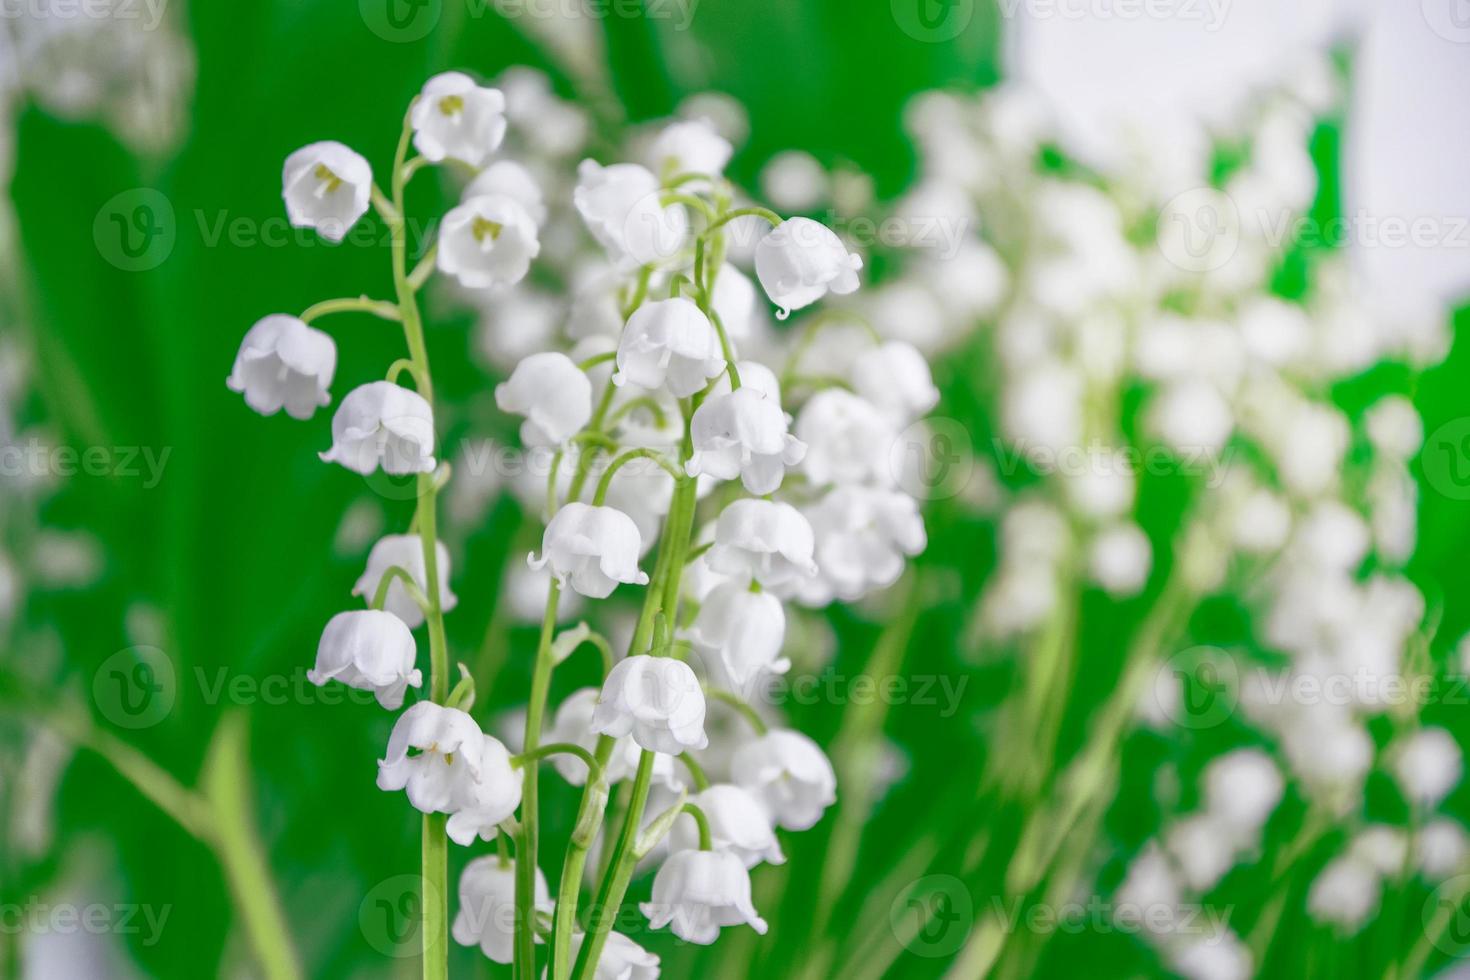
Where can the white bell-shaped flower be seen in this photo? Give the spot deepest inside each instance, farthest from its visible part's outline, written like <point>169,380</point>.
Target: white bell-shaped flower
<point>326,186</point>
<point>487,914</point>
<point>743,433</point>
<point>447,765</point>
<point>487,241</point>
<point>896,379</point>
<point>622,208</point>
<point>739,634</point>
<point>848,440</point>
<point>690,146</point>
<point>622,959</point>
<point>695,893</point>
<point>738,824</point>
<point>591,549</point>
<point>370,650</point>
<point>765,540</point>
<point>509,179</point>
<point>669,341</point>
<point>456,119</point>
<point>733,300</point>
<point>656,700</point>
<point>1241,790</point>
<point>284,363</point>
<point>382,424</point>
<point>553,394</point>
<point>1428,764</point>
<point>573,723</point>
<point>800,261</point>
<point>790,774</point>
<point>863,536</point>
<point>407,552</point>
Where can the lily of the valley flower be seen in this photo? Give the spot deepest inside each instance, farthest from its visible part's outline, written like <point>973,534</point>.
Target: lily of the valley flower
<point>552,393</point>
<point>488,240</point>
<point>863,535</point>
<point>738,825</point>
<point>447,765</point>
<point>743,433</point>
<point>895,377</point>
<point>739,633</point>
<point>622,959</point>
<point>382,424</point>
<point>848,440</point>
<point>656,700</point>
<point>487,914</point>
<point>573,723</point>
<point>371,651</point>
<point>454,118</point>
<point>407,552</point>
<point>621,207</point>
<point>800,261</point>
<point>669,341</point>
<point>509,179</point>
<point>695,893</point>
<point>791,776</point>
<point>326,186</point>
<point>284,363</point>
<point>591,549</point>
<point>765,540</point>
<point>690,146</point>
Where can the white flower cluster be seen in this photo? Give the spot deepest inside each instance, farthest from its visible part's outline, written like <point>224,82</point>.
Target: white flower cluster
<point>661,427</point>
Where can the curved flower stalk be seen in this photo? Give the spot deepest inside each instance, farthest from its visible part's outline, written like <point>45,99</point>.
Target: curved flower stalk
<point>660,432</point>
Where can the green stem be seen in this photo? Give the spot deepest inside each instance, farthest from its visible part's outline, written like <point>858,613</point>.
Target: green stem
<point>696,772</point>
<point>526,846</point>
<point>602,485</point>
<point>741,705</point>
<point>409,585</point>
<point>619,874</point>
<point>728,216</point>
<point>594,768</point>
<point>705,843</point>
<point>359,304</point>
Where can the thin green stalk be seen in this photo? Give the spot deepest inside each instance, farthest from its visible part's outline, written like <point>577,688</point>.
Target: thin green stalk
<point>619,874</point>
<point>357,304</point>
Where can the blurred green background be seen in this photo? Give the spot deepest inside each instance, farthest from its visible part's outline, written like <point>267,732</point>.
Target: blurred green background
<point>234,547</point>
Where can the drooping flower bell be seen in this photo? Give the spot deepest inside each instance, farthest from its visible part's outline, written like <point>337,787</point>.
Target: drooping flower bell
<point>622,959</point>
<point>407,552</point>
<point>656,700</point>
<point>695,893</point>
<point>622,208</point>
<point>381,424</point>
<point>553,394</point>
<point>370,650</point>
<point>738,825</point>
<point>509,179</point>
<point>456,119</point>
<point>283,363</point>
<point>447,765</point>
<point>690,146</point>
<point>738,634</point>
<point>896,379</point>
<point>487,241</point>
<point>848,440</point>
<point>743,433</point>
<point>800,261</point>
<point>573,723</point>
<point>765,540</point>
<point>790,774</point>
<point>863,535</point>
<point>326,186</point>
<point>487,915</point>
<point>669,341</point>
<point>591,549</point>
